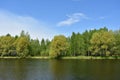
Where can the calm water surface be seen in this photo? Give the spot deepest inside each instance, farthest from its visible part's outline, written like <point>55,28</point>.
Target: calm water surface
<point>34,69</point>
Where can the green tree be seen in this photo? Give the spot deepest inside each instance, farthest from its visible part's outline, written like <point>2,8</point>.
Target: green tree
<point>43,47</point>
<point>47,47</point>
<point>6,45</point>
<point>23,34</point>
<point>22,46</point>
<point>77,44</point>
<point>80,45</point>
<point>101,43</point>
<point>87,35</point>
<point>73,44</point>
<point>117,42</point>
<point>59,46</point>
<point>34,47</point>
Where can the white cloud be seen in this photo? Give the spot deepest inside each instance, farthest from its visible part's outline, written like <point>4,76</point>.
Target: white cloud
<point>74,18</point>
<point>14,24</point>
<point>102,17</point>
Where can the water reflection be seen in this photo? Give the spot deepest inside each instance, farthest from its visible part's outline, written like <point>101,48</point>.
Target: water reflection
<point>33,69</point>
<point>64,70</point>
<point>12,69</point>
<point>58,69</point>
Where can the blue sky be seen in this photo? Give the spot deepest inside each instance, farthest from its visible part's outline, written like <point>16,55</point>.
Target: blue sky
<point>46,18</point>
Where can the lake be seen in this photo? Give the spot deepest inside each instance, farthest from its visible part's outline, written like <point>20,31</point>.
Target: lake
<point>35,69</point>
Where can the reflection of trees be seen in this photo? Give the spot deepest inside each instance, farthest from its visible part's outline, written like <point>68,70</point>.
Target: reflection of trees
<point>12,69</point>
<point>69,69</point>
<point>58,69</point>
<point>20,69</point>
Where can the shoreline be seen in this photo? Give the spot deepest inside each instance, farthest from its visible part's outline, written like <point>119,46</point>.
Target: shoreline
<point>91,57</point>
<point>67,57</point>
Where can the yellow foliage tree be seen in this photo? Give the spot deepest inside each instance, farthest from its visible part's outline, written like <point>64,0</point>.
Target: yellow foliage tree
<point>58,47</point>
<point>101,42</point>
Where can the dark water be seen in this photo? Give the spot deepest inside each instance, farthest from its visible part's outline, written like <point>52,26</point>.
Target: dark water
<point>33,69</point>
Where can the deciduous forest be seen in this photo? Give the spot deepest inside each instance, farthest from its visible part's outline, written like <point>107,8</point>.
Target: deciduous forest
<point>97,42</point>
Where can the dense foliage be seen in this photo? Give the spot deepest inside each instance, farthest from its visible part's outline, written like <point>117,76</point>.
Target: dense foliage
<point>102,42</point>
<point>58,46</point>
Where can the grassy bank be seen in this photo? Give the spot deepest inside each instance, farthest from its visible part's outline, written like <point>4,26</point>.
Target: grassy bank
<point>35,57</point>
<point>9,57</point>
<point>39,57</point>
<point>90,57</point>
<point>67,57</point>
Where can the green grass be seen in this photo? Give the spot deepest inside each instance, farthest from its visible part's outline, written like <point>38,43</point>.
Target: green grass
<point>89,57</point>
<point>39,57</point>
<point>66,57</point>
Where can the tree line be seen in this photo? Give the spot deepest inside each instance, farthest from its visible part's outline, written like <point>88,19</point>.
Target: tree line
<point>101,42</point>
